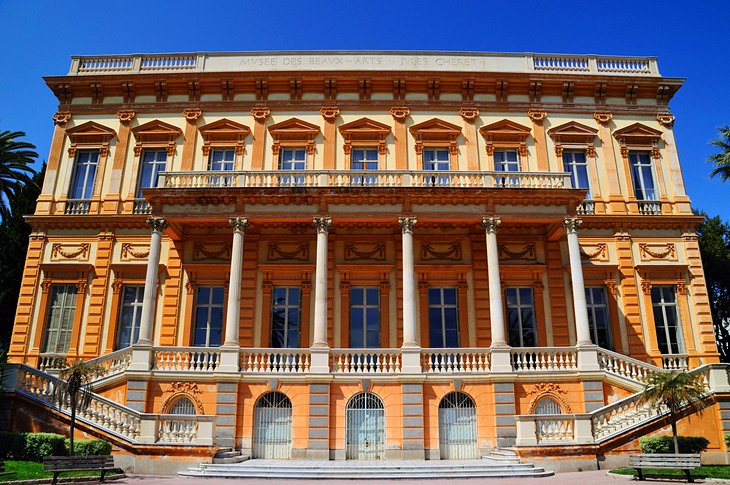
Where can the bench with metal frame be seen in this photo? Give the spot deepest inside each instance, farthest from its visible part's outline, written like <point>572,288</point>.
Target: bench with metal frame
<point>60,464</point>
<point>682,461</point>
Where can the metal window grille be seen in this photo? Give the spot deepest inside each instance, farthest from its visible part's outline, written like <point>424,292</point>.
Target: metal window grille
<point>272,427</point>
<point>458,427</point>
<point>183,405</point>
<point>365,423</point>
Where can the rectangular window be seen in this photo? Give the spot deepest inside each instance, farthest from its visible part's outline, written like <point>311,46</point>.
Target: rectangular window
<point>84,175</point>
<point>221,159</point>
<point>59,324</point>
<point>521,317</point>
<point>642,176</point>
<point>208,316</point>
<point>365,318</point>
<point>598,318</point>
<point>574,162</point>
<point>293,159</point>
<point>286,313</point>
<point>666,319</point>
<point>152,163</point>
<point>130,315</point>
<point>506,160</point>
<point>437,160</point>
<point>443,317</point>
<point>363,159</point>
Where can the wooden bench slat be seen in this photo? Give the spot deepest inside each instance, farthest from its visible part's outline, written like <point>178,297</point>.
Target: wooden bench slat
<point>60,464</point>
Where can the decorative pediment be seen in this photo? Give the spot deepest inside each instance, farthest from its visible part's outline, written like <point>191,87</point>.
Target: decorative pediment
<point>638,134</point>
<point>294,131</point>
<point>224,132</point>
<point>366,131</point>
<point>435,130</point>
<point>90,135</point>
<point>156,133</point>
<point>505,131</point>
<point>573,133</point>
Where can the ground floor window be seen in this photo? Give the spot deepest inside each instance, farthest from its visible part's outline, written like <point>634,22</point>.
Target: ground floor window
<point>458,427</point>
<point>272,427</point>
<point>365,423</point>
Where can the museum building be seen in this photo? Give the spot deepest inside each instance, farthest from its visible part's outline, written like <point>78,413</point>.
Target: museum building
<point>365,255</point>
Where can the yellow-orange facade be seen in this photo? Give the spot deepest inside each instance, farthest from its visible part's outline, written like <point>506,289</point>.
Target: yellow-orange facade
<point>390,253</point>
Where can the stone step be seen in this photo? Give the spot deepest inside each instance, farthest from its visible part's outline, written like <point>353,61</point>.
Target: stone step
<point>229,456</point>
<point>416,469</point>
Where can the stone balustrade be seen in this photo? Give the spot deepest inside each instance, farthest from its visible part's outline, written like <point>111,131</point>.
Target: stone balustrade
<point>544,359</point>
<point>362,178</point>
<point>466,360</point>
<point>186,359</point>
<point>365,361</point>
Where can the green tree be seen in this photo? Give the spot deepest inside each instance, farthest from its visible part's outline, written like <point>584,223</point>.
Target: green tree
<point>714,241</point>
<point>74,391</point>
<point>16,166</point>
<point>721,161</point>
<point>14,233</point>
<point>676,392</point>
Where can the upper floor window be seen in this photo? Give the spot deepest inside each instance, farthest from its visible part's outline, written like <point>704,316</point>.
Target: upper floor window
<point>364,159</point>
<point>521,317</point>
<point>222,159</point>
<point>666,319</point>
<point>209,316</point>
<point>642,175</point>
<point>506,160</point>
<point>130,316</point>
<point>365,317</point>
<point>286,314</point>
<point>443,317</point>
<point>59,323</point>
<point>437,160</point>
<point>598,321</point>
<point>153,162</point>
<point>293,159</point>
<point>84,174</point>
<point>574,162</point>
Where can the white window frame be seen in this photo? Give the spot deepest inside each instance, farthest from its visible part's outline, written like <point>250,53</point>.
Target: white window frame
<point>135,307</point>
<point>642,182</point>
<point>60,318</point>
<point>210,306</point>
<point>593,308</point>
<point>88,185</point>
<point>442,307</point>
<point>663,325</point>
<point>220,165</point>
<point>363,311</point>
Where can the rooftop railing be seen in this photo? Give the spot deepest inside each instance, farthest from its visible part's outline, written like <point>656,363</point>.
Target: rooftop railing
<point>382,61</point>
<point>364,179</point>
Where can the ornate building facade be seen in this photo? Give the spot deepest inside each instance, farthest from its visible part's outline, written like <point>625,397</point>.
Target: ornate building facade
<point>366,255</point>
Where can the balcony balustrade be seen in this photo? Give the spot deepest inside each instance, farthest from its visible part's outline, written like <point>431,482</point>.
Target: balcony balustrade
<point>361,178</point>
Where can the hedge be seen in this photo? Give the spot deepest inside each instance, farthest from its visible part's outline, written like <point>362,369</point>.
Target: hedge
<point>727,440</point>
<point>34,446</point>
<point>665,444</point>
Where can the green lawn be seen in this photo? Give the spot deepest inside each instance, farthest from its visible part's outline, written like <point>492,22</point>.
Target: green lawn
<point>30,470</point>
<point>710,471</point>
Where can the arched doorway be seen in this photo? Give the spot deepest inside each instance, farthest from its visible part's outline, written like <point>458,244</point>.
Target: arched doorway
<point>272,427</point>
<point>365,423</point>
<point>458,427</point>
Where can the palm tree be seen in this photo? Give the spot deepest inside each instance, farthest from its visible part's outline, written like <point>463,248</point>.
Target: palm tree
<point>721,160</point>
<point>677,392</point>
<point>74,390</point>
<point>16,160</point>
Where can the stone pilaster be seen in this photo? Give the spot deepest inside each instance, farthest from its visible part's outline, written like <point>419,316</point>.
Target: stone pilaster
<point>412,406</point>
<point>504,414</point>
<point>225,409</point>
<point>318,447</point>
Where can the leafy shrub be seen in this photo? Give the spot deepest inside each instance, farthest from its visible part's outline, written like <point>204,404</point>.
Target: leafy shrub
<point>727,440</point>
<point>38,445</point>
<point>11,445</point>
<point>89,447</point>
<point>665,444</point>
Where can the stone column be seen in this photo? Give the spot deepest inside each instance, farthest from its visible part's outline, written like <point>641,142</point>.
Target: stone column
<point>319,352</point>
<point>410,350</point>
<point>142,349</point>
<point>501,359</point>
<point>409,286</point>
<point>582,330</point>
<point>158,225</point>
<point>233,308</point>
<point>496,312</point>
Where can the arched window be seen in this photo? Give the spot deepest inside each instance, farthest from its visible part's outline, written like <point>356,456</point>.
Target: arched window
<point>547,405</point>
<point>458,427</point>
<point>365,427</point>
<point>272,427</point>
<point>182,405</point>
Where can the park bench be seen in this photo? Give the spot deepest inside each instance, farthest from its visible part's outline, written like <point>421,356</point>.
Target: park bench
<point>60,464</point>
<point>684,462</point>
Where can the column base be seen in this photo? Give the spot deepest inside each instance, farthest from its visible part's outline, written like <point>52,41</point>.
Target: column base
<point>319,360</point>
<point>141,358</point>
<point>501,359</point>
<point>410,360</point>
<point>229,359</point>
<point>588,358</point>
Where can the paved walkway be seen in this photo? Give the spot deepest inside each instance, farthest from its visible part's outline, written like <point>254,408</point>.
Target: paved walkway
<point>573,478</point>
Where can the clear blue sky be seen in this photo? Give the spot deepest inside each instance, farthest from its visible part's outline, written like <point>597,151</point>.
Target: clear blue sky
<point>690,38</point>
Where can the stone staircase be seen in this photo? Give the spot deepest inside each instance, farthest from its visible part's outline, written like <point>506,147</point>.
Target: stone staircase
<point>227,456</point>
<point>488,467</point>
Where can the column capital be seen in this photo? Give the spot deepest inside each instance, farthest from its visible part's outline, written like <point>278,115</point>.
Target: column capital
<point>407,224</point>
<point>490,224</point>
<point>572,224</point>
<point>239,224</point>
<point>192,114</point>
<point>260,114</point>
<point>400,113</point>
<point>125,116</point>
<point>157,224</point>
<point>323,224</point>
<point>61,118</point>
<point>330,113</point>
